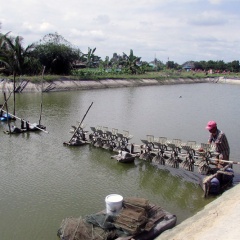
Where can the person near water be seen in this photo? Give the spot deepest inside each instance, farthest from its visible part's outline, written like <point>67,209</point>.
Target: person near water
<point>219,140</point>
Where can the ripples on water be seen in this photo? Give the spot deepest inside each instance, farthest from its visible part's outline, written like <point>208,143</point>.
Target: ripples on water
<point>43,182</point>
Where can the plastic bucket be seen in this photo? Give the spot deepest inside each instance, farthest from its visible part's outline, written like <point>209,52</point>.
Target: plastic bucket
<point>113,204</point>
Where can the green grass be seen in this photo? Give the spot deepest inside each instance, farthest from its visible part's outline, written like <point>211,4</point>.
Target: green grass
<point>95,75</point>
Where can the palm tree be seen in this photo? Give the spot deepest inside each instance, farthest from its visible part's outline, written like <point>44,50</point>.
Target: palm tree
<point>16,54</point>
<point>13,56</point>
<point>3,47</point>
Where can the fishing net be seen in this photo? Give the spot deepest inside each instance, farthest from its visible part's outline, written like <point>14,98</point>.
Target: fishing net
<point>80,229</point>
<point>137,216</point>
<point>133,216</point>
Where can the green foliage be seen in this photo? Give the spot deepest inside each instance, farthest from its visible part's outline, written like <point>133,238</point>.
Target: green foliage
<point>218,66</point>
<point>60,57</point>
<point>156,64</point>
<point>130,63</point>
<point>98,73</point>
<point>16,59</point>
<point>56,54</point>
<point>90,58</point>
<point>105,64</point>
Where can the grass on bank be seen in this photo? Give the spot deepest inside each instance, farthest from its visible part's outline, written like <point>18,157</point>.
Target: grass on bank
<point>89,74</point>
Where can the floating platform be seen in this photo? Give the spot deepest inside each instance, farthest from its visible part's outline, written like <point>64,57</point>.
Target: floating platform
<point>136,219</point>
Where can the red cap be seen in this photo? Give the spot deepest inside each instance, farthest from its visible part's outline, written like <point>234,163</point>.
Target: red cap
<point>211,125</point>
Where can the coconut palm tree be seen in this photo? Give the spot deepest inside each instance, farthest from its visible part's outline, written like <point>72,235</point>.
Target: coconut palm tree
<point>3,48</point>
<point>16,55</point>
<point>13,56</point>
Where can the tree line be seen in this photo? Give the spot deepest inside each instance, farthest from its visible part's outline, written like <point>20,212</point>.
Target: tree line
<point>58,56</point>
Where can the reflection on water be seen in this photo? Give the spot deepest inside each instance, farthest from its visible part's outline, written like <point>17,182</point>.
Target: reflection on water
<point>43,181</point>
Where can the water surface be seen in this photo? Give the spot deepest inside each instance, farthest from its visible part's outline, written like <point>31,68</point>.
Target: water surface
<point>42,181</point>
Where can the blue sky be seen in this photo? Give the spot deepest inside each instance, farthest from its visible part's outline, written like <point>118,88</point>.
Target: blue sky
<point>172,30</point>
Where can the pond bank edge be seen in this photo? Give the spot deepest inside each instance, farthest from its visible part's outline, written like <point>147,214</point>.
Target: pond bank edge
<point>73,85</point>
<point>218,220</point>
<point>64,84</point>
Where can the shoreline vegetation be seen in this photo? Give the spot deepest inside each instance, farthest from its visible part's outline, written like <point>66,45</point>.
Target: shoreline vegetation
<point>54,83</point>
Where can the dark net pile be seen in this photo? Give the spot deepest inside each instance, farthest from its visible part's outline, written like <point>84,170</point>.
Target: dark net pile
<point>136,216</point>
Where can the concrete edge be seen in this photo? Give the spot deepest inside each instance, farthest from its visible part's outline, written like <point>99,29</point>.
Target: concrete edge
<point>71,85</point>
<point>217,220</point>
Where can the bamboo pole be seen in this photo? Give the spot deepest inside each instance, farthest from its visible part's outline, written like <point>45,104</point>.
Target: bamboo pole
<point>40,118</point>
<point>5,99</point>
<point>224,161</point>
<point>14,93</point>
<point>26,121</point>
<point>80,123</point>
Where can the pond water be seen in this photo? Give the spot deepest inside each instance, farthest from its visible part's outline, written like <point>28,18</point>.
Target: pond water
<point>42,181</point>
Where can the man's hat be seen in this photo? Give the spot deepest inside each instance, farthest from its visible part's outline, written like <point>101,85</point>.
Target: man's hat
<point>211,125</point>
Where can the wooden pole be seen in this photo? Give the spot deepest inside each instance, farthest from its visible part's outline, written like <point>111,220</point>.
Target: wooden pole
<point>5,99</point>
<point>80,123</point>
<point>26,121</point>
<point>224,161</point>
<point>41,97</point>
<point>14,93</point>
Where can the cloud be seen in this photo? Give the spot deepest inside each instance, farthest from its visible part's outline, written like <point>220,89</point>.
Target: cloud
<point>175,29</point>
<point>208,18</point>
<point>95,34</point>
<point>46,27</point>
<point>215,1</point>
<point>102,19</point>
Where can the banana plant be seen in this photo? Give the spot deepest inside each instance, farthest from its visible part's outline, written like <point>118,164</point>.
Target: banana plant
<point>89,57</point>
<point>130,62</point>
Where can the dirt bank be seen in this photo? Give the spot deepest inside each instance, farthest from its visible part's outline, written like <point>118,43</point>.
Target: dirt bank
<point>70,85</point>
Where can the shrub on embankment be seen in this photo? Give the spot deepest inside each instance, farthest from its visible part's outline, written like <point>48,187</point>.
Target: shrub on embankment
<point>98,74</point>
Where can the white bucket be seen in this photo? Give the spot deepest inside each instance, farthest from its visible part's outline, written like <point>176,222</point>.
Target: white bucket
<point>113,204</point>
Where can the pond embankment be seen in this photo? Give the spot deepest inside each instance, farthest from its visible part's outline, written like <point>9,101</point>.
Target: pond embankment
<point>64,84</point>
<point>219,220</point>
